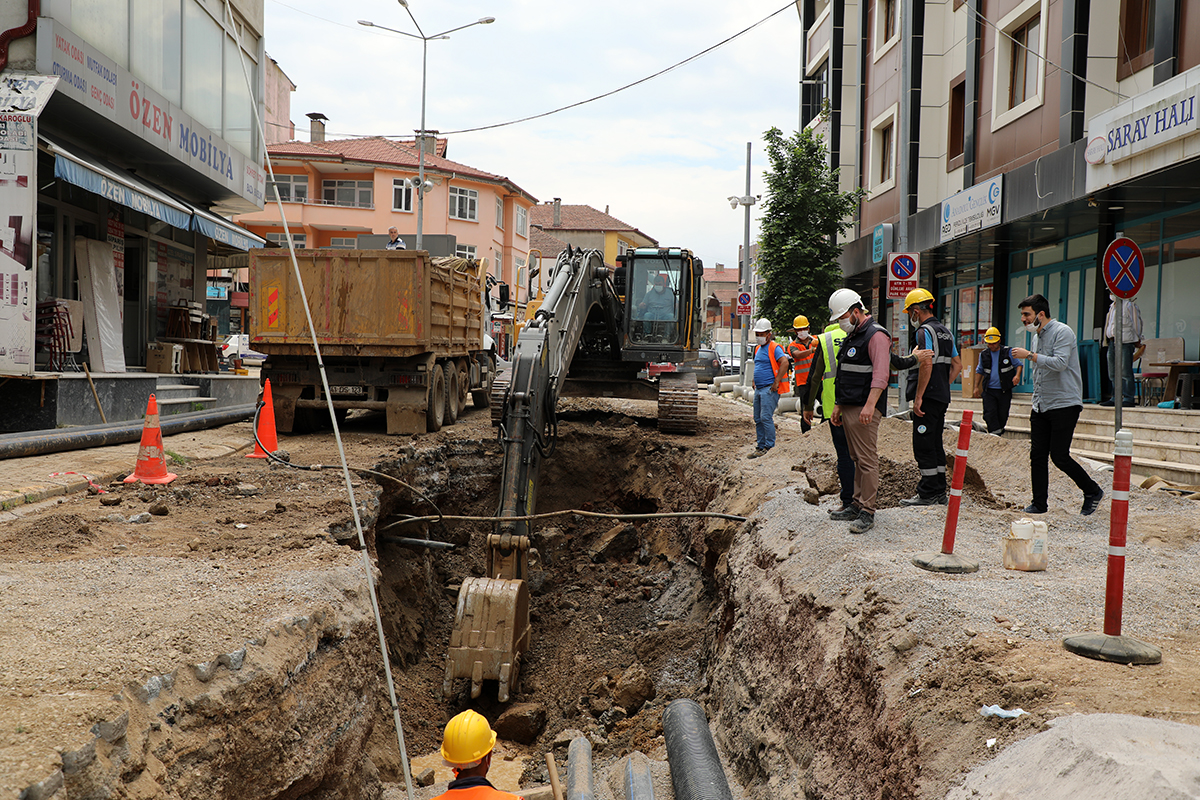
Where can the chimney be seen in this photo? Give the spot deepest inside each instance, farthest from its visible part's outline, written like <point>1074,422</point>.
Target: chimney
<point>428,142</point>
<point>558,212</point>
<point>316,126</point>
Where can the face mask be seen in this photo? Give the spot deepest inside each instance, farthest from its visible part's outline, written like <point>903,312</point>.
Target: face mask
<point>804,335</point>
<point>1033,328</point>
<point>847,324</point>
<point>761,339</point>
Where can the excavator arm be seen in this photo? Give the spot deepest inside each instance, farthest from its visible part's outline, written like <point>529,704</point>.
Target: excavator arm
<point>491,628</point>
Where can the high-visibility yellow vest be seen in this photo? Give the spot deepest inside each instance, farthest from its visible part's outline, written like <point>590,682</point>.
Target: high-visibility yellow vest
<point>830,342</point>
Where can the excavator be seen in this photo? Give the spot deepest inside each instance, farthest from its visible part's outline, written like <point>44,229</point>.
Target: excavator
<point>593,332</point>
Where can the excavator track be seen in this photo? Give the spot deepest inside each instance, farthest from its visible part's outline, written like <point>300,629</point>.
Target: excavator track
<point>499,394</point>
<point>677,403</point>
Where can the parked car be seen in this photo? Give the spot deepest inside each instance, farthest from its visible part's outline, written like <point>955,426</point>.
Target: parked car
<point>706,367</point>
<point>727,352</point>
<point>238,346</point>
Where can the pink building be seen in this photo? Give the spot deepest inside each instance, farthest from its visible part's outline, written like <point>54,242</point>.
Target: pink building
<point>332,191</point>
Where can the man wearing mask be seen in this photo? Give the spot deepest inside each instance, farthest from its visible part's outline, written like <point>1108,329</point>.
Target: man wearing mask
<point>1057,401</point>
<point>770,378</point>
<point>801,351</point>
<point>929,391</point>
<point>658,304</point>
<point>860,392</point>
<point>1131,339</point>
<point>995,376</point>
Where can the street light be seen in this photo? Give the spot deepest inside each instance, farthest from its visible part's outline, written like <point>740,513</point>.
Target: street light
<point>746,200</point>
<point>422,185</point>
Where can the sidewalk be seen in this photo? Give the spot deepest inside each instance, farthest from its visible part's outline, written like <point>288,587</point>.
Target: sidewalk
<point>37,478</point>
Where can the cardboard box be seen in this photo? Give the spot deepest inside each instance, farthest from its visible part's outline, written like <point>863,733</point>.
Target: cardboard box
<point>970,360</point>
<point>164,357</point>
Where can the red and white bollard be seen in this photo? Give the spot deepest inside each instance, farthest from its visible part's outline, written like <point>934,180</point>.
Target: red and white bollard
<point>1111,645</point>
<point>946,560</point>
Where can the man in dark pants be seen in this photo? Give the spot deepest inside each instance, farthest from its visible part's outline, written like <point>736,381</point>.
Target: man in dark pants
<point>1057,401</point>
<point>995,376</point>
<point>929,391</point>
<point>820,385</point>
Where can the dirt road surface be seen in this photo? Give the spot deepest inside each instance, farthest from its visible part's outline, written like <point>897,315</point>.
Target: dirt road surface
<point>227,648</point>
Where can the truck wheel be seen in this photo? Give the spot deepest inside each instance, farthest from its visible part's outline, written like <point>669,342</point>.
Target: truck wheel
<point>451,394</point>
<point>435,409</point>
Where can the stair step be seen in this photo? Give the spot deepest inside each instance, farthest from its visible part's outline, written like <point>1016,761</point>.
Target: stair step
<point>182,405</point>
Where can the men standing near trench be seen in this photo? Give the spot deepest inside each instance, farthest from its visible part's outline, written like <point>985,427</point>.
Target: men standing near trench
<point>860,392</point>
<point>1057,401</point>
<point>929,392</point>
<point>770,379</point>
<point>801,351</point>
<point>467,747</point>
<point>995,376</point>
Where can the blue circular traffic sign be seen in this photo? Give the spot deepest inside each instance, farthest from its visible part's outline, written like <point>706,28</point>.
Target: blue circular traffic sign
<point>1124,267</point>
<point>744,299</point>
<point>903,267</point>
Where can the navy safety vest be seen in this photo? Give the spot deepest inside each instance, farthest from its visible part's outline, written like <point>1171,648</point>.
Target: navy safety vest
<point>938,388</point>
<point>1007,368</point>
<point>852,385</point>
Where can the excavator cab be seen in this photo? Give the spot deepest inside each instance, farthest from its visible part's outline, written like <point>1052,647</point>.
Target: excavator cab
<point>661,310</point>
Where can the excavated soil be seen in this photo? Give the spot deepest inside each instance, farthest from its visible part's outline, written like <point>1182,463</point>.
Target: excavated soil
<point>228,649</point>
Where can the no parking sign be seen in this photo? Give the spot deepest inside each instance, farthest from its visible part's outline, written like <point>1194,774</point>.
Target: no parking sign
<point>1124,267</point>
<point>904,272</point>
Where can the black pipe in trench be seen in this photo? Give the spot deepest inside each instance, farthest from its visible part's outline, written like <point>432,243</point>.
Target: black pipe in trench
<point>696,772</point>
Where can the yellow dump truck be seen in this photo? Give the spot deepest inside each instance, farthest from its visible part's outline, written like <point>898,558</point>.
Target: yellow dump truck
<point>399,332</point>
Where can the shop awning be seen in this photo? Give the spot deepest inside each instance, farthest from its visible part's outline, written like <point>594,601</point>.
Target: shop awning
<point>117,185</point>
<point>224,231</point>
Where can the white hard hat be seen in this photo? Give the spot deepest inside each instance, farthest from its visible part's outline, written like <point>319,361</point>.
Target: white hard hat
<point>762,326</point>
<point>841,301</point>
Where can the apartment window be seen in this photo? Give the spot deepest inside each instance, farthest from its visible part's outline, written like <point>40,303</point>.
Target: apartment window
<point>1135,37</point>
<point>887,27</point>
<point>292,188</point>
<point>522,221</point>
<point>956,124</point>
<point>1019,77</point>
<point>815,92</point>
<point>622,247</point>
<point>356,194</point>
<point>402,195</point>
<point>298,239</point>
<point>500,213</point>
<point>464,204</point>
<point>1024,68</point>
<point>464,250</point>
<point>882,156</point>
<point>343,242</point>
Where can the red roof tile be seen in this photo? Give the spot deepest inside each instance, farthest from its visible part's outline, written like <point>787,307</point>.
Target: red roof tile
<point>549,245</point>
<point>577,218</point>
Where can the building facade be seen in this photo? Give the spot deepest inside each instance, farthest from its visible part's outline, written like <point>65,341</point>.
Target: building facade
<point>116,193</point>
<point>1008,143</point>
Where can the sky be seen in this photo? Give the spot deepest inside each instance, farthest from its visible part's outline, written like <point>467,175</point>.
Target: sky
<point>662,156</point>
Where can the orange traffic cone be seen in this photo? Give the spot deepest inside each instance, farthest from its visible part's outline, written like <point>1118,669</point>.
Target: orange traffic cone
<point>266,425</point>
<point>150,465</point>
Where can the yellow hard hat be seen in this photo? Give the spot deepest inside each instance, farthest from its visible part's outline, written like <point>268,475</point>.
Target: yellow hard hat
<point>468,738</point>
<point>917,296</point>
<point>799,322</point>
<point>991,335</point>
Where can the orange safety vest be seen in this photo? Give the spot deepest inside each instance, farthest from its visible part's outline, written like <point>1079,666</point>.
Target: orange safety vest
<point>476,793</point>
<point>802,359</point>
<point>770,355</point>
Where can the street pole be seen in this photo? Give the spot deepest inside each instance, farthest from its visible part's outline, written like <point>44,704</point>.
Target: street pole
<point>903,141</point>
<point>747,277</point>
<point>421,148</point>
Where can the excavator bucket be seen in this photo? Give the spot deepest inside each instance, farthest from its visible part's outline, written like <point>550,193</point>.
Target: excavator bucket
<point>491,625</point>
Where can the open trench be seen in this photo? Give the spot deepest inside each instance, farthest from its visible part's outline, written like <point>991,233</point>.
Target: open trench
<point>625,619</point>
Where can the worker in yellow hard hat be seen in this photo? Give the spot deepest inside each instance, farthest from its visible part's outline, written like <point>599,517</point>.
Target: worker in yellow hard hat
<point>467,747</point>
<point>995,376</point>
<point>801,350</point>
<point>928,390</point>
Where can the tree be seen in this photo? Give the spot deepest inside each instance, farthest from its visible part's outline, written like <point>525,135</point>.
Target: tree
<point>804,212</point>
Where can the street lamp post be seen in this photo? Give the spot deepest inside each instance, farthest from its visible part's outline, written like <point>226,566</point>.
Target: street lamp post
<point>746,200</point>
<point>425,40</point>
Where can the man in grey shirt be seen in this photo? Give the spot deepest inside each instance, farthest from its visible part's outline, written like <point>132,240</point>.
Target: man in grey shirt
<point>1057,401</point>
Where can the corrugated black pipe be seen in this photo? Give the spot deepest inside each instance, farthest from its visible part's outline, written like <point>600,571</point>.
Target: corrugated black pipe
<point>36,443</point>
<point>696,772</point>
<point>579,770</point>
<point>29,27</point>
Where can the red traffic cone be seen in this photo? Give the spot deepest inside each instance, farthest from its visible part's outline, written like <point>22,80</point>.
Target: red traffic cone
<point>266,425</point>
<point>150,465</point>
